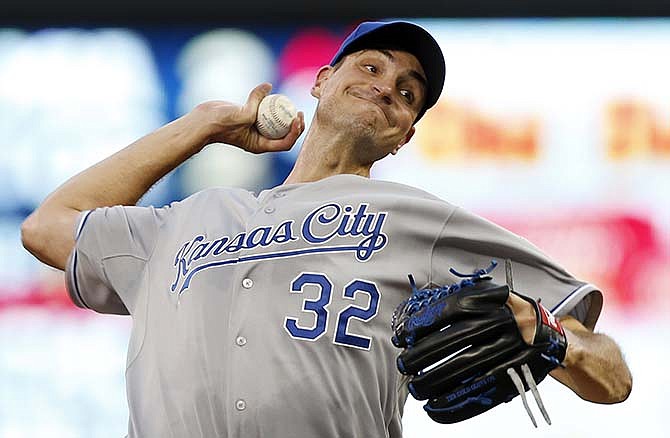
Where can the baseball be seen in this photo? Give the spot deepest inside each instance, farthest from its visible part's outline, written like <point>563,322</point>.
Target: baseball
<point>274,117</point>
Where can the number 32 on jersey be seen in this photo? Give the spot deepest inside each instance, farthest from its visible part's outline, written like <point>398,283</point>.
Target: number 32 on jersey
<point>319,311</point>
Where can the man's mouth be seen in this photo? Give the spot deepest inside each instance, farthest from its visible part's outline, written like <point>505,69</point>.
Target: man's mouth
<point>374,102</point>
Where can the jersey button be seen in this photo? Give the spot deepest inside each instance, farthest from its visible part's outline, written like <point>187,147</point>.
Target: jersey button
<point>241,341</point>
<point>247,283</point>
<point>280,195</point>
<point>240,405</point>
<point>269,210</point>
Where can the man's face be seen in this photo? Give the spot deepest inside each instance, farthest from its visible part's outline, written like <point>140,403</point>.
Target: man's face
<point>378,91</point>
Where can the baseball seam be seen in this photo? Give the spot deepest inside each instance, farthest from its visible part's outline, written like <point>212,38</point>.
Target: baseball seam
<point>274,110</point>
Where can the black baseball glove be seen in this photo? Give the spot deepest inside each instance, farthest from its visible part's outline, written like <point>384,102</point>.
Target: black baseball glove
<point>463,349</point>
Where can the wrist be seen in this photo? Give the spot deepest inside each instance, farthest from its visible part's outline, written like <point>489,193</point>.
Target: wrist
<point>574,352</point>
<point>197,129</point>
<point>213,122</point>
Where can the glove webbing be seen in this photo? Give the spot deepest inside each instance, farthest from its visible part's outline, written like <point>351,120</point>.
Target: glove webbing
<point>423,297</point>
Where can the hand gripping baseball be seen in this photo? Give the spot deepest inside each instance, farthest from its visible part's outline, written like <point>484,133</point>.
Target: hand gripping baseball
<point>235,125</point>
<point>464,351</point>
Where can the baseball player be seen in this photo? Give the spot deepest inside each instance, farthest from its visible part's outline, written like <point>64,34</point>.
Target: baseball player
<point>268,314</point>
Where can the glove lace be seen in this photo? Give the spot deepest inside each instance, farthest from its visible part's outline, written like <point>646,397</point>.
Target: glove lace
<point>423,297</point>
<point>532,385</point>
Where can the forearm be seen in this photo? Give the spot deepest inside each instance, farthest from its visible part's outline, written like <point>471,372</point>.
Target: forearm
<point>124,177</point>
<point>594,366</point>
<point>120,179</point>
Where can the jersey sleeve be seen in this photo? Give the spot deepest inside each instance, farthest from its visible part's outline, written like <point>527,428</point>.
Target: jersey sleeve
<point>468,242</point>
<point>113,245</point>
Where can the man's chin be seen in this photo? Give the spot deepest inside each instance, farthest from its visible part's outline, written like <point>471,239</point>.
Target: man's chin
<point>363,116</point>
<point>363,128</point>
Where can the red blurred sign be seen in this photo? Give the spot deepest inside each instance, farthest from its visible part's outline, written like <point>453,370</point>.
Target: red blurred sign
<point>621,253</point>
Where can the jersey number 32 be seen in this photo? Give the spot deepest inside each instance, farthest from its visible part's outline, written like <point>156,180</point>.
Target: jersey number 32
<point>318,307</point>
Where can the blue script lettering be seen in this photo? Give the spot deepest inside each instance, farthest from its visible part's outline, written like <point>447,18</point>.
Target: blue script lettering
<point>199,248</point>
<point>325,223</point>
<point>324,215</point>
<point>367,224</point>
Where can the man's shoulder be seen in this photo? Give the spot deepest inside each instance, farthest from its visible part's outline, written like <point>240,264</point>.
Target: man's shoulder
<point>405,190</point>
<point>373,186</point>
<point>215,194</point>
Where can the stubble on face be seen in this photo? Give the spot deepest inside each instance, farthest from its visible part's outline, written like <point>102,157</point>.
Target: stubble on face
<point>353,117</point>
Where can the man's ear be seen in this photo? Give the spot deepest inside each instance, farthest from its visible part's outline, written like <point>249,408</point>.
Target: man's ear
<point>406,140</point>
<point>322,75</point>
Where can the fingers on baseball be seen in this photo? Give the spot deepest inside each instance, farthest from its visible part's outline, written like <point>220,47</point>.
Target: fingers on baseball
<point>285,143</point>
<point>255,97</point>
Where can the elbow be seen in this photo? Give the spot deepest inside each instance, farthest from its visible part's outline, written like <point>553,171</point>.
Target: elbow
<point>47,235</point>
<point>30,234</point>
<point>618,388</point>
<point>615,390</point>
<point>623,389</point>
<point>622,382</point>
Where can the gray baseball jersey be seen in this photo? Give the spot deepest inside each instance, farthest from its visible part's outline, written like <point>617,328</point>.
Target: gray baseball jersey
<point>269,315</point>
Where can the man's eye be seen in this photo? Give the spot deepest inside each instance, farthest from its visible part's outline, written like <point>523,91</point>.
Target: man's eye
<point>408,95</point>
<point>371,68</point>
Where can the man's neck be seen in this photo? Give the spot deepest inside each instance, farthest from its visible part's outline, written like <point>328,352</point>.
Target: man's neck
<point>325,154</point>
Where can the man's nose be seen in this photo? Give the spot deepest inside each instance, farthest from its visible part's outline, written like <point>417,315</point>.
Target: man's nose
<point>383,91</point>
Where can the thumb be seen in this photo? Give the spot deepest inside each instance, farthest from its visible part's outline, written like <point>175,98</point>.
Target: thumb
<point>255,97</point>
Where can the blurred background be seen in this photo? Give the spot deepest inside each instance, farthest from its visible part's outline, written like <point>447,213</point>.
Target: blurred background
<point>554,122</point>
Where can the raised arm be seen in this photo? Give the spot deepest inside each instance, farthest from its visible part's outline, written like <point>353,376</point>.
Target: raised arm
<point>122,179</point>
<point>594,367</point>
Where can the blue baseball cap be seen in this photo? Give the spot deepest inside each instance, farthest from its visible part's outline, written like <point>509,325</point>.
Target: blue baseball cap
<point>405,36</point>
